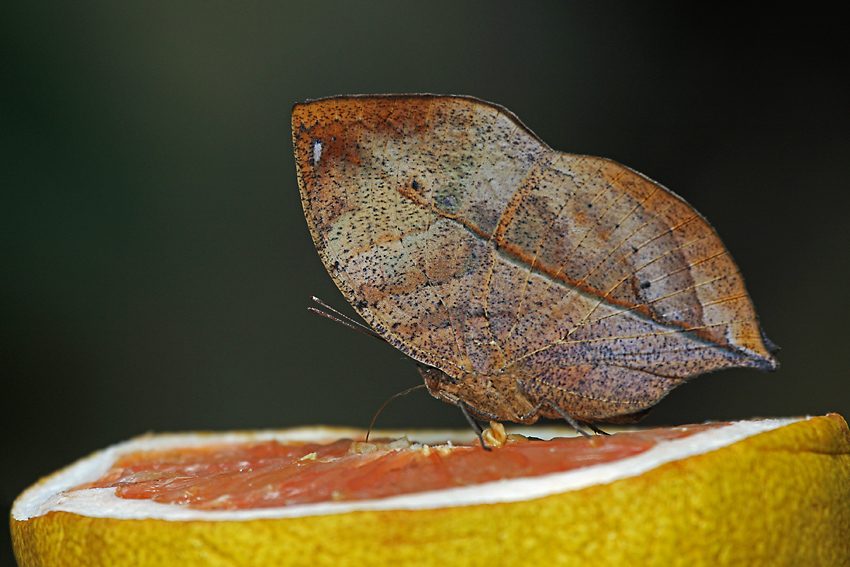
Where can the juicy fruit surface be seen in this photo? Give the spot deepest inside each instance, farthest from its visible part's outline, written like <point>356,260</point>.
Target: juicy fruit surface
<point>776,494</point>
<point>271,473</point>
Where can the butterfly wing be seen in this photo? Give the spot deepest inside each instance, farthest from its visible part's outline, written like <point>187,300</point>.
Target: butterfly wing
<point>474,248</point>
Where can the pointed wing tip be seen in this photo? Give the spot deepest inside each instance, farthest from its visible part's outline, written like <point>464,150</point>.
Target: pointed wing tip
<point>765,361</point>
<point>771,346</point>
<point>757,354</point>
<point>768,363</point>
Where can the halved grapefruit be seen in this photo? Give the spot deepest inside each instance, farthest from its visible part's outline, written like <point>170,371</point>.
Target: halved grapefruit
<point>760,492</point>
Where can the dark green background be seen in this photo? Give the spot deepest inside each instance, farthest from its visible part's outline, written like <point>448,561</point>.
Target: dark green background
<point>156,267</point>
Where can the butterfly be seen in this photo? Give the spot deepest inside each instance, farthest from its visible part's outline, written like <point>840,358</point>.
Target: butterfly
<point>525,282</point>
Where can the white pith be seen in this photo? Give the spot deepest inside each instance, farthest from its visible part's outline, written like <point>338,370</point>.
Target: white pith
<point>49,494</point>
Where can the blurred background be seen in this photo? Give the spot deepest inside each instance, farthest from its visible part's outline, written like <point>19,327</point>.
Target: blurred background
<point>156,266</point>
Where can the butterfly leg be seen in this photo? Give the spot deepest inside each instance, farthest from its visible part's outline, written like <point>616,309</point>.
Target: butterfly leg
<point>595,429</point>
<point>573,423</point>
<point>474,424</point>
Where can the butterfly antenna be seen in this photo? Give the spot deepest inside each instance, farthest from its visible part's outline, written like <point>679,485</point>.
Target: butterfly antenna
<point>343,319</point>
<point>380,409</point>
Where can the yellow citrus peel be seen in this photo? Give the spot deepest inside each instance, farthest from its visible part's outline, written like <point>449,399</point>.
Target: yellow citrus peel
<point>778,497</point>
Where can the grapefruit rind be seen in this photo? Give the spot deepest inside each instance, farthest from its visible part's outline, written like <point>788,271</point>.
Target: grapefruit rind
<point>777,495</point>
<point>104,503</point>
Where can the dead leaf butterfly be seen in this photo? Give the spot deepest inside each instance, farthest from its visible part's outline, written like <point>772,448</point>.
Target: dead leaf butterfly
<point>524,281</point>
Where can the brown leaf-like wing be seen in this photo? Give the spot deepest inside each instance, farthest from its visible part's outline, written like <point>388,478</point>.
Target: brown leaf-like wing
<point>476,249</point>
